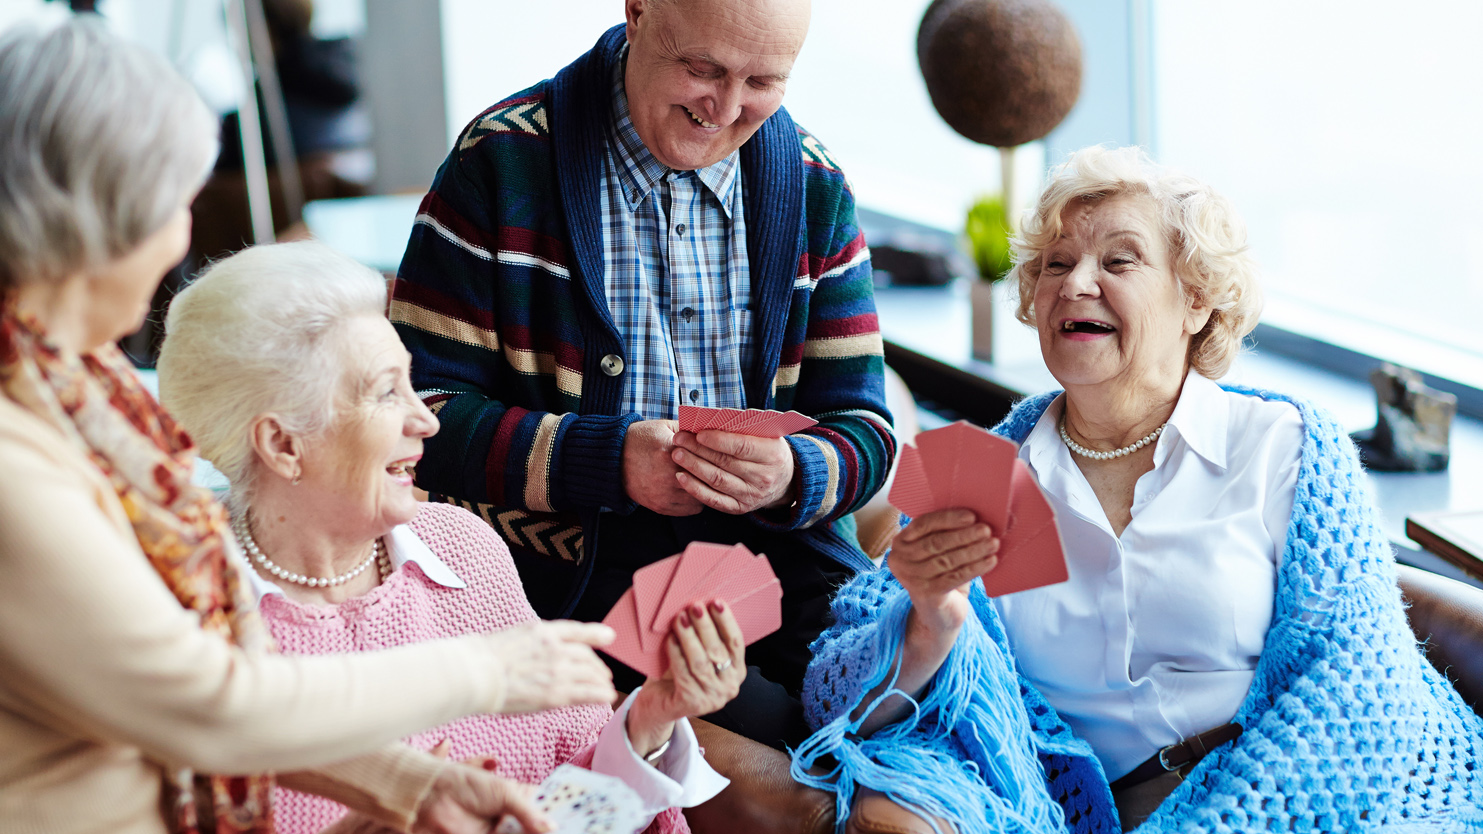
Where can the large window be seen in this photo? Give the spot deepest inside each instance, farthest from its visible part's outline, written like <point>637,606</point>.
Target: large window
<point>1350,135</point>
<point>856,86</point>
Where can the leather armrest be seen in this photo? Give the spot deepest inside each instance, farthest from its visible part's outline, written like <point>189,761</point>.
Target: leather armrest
<point>762,795</point>
<point>1447,617</point>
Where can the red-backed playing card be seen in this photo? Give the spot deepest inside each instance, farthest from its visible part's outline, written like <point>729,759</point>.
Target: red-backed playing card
<point>961,465</point>
<point>696,564</point>
<point>627,646</point>
<point>910,491</point>
<point>750,421</point>
<point>1032,541</point>
<point>650,584</point>
<point>970,468</point>
<point>760,612</point>
<point>746,582</point>
<point>694,418</point>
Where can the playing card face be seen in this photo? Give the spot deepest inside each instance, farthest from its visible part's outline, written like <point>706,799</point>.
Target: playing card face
<point>578,801</point>
<point>644,616</point>
<point>961,465</point>
<point>750,421</point>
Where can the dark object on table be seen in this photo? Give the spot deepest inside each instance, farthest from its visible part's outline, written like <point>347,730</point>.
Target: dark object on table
<point>1000,72</point>
<point>1412,431</point>
<point>1455,536</point>
<point>910,267</point>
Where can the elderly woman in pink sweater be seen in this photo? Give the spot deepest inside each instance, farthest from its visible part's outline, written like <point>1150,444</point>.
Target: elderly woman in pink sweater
<point>282,365</point>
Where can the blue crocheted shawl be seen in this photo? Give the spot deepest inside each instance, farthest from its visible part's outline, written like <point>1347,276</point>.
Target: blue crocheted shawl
<point>1348,727</point>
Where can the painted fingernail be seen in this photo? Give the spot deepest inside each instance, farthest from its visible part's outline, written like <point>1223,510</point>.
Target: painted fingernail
<point>684,619</point>
<point>490,764</point>
<point>696,610</point>
<point>718,605</point>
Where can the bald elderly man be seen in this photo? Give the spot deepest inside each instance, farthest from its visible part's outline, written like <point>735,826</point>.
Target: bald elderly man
<point>647,229</point>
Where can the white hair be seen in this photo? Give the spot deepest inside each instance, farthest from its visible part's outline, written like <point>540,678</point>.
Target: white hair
<point>100,143</point>
<point>256,333</point>
<point>1206,237</point>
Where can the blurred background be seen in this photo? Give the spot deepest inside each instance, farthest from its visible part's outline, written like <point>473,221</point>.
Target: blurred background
<point>1340,130</point>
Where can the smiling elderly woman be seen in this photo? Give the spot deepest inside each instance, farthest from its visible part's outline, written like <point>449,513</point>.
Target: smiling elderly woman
<point>281,362</point>
<point>130,654</point>
<point>1229,649</point>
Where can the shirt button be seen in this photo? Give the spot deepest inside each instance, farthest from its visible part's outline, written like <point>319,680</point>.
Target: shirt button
<point>688,313</point>
<point>680,229</point>
<point>612,364</point>
<point>694,394</point>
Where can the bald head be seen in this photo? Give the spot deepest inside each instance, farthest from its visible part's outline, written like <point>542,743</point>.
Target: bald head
<point>704,75</point>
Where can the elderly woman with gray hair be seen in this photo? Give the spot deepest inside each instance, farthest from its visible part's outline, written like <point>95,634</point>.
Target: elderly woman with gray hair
<point>281,363</point>
<point>1229,652</point>
<point>132,662</point>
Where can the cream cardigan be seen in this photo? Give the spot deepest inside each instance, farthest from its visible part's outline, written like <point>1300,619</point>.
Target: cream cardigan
<point>105,680</point>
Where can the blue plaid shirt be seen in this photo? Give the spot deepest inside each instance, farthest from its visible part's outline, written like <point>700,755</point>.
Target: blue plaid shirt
<point>676,272</point>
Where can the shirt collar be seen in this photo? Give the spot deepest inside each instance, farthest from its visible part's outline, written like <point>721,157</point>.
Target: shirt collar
<point>1042,447</point>
<point>639,171</point>
<point>402,546</point>
<point>1201,418</point>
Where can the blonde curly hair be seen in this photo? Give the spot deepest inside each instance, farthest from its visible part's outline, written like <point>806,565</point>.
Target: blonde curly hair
<point>1207,243</point>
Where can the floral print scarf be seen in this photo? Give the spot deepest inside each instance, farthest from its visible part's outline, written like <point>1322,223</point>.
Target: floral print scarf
<point>98,402</point>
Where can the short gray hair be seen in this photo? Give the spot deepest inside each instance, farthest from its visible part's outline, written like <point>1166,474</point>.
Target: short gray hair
<point>100,142</point>
<point>1207,243</point>
<point>257,333</point>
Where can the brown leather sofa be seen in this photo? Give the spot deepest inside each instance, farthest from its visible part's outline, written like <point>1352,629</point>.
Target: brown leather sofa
<point>1446,615</point>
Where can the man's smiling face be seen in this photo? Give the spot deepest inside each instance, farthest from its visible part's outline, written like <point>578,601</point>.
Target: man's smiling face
<point>703,75</point>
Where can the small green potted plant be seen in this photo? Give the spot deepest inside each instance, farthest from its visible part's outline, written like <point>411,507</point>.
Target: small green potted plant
<point>987,229</point>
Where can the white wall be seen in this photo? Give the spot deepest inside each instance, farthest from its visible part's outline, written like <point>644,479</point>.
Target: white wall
<point>856,86</point>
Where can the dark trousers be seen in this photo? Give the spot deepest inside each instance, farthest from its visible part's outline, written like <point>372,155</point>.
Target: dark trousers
<point>768,709</point>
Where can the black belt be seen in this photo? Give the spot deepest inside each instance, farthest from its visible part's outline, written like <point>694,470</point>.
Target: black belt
<point>1182,756</point>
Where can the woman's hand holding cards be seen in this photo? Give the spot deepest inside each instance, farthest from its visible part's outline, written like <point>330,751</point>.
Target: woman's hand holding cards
<point>707,663</point>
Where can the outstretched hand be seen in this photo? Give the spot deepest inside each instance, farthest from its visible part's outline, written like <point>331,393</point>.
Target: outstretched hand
<point>467,800</point>
<point>552,664</point>
<point>461,800</point>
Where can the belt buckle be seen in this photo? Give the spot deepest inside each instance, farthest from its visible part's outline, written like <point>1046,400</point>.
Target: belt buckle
<point>1163,762</point>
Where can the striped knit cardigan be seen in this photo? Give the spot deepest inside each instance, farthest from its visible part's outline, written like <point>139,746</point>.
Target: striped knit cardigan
<point>501,302</point>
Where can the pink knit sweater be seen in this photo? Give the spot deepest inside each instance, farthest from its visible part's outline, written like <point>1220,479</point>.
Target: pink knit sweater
<point>408,608</point>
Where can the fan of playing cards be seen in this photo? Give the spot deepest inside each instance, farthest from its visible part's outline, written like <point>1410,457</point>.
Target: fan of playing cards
<point>578,801</point>
<point>754,421</point>
<point>961,465</point>
<point>645,612</point>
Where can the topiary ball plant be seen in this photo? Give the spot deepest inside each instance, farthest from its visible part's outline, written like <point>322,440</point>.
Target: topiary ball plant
<point>987,229</point>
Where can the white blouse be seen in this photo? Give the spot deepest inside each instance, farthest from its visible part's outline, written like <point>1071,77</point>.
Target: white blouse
<point>1155,635</point>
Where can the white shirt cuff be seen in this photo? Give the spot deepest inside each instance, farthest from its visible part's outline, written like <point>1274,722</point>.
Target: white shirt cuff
<point>680,778</point>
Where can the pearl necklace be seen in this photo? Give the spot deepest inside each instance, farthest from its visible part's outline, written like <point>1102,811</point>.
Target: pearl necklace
<point>243,535</point>
<point>1115,453</point>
